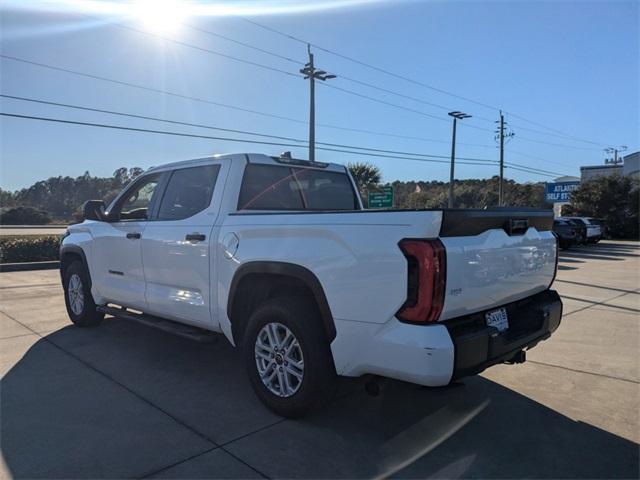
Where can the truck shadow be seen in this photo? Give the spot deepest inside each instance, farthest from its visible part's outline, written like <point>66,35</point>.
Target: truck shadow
<point>123,400</point>
<point>601,251</point>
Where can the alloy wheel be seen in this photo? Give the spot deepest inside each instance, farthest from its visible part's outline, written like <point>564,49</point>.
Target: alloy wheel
<point>279,359</point>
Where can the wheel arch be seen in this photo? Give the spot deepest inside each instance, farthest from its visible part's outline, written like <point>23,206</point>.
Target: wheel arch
<point>273,277</point>
<point>69,254</point>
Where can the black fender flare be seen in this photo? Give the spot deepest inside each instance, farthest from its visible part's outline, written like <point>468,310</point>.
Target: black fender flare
<point>76,250</point>
<point>306,276</point>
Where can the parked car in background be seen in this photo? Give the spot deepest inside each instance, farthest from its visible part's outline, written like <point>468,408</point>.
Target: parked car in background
<point>278,255</point>
<point>603,226</point>
<point>567,233</point>
<point>581,229</point>
<point>594,232</point>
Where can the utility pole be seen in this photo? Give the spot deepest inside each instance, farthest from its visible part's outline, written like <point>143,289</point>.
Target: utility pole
<point>615,151</point>
<point>309,71</point>
<point>500,136</point>
<point>456,116</point>
<point>501,187</point>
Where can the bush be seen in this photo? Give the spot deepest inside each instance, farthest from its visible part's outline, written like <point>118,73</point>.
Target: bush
<point>614,198</point>
<point>24,216</point>
<point>34,248</point>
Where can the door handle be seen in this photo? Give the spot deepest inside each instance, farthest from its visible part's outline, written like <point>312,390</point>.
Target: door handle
<point>133,236</point>
<point>195,237</point>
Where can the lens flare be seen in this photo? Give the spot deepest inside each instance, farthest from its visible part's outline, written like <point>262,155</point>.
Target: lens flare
<point>163,17</point>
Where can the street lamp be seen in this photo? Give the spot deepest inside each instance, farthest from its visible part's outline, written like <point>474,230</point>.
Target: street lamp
<point>312,74</point>
<point>456,116</point>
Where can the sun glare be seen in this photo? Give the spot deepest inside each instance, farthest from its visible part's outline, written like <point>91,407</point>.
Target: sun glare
<point>163,17</point>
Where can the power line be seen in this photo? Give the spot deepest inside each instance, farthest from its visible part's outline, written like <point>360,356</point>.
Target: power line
<point>483,161</point>
<point>532,169</point>
<point>561,145</point>
<point>531,172</point>
<point>340,76</point>
<point>552,129</point>
<point>244,44</point>
<point>364,64</point>
<point>415,82</point>
<point>345,148</point>
<point>223,105</point>
<point>209,137</point>
<point>274,69</point>
<point>151,89</point>
<point>358,82</point>
<point>206,50</point>
<point>119,82</point>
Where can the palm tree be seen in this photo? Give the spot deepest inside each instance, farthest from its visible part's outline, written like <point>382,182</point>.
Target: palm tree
<point>366,176</point>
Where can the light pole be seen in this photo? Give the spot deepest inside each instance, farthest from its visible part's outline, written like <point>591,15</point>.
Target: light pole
<point>456,116</point>
<point>309,71</point>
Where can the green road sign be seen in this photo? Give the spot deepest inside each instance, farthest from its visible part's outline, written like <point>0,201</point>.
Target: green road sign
<point>382,198</point>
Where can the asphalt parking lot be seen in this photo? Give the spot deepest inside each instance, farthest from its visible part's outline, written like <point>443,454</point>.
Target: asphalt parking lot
<point>124,400</point>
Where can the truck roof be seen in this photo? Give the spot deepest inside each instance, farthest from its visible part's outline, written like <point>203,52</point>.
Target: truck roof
<point>253,158</point>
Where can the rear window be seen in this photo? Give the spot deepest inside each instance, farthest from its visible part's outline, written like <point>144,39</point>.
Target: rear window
<point>188,192</point>
<point>272,187</point>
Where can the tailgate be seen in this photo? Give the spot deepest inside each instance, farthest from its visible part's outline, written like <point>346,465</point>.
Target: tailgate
<point>495,257</point>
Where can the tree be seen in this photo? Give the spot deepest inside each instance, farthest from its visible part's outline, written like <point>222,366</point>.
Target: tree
<point>614,198</point>
<point>6,199</point>
<point>24,216</point>
<point>62,196</point>
<point>366,176</point>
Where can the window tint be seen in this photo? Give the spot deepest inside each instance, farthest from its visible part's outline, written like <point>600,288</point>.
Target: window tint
<point>188,192</point>
<point>267,187</point>
<point>136,202</point>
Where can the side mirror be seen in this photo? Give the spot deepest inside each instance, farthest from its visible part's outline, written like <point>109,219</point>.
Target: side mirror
<point>94,210</point>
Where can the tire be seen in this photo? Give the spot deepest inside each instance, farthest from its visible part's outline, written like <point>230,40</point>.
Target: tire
<point>307,341</point>
<point>77,296</point>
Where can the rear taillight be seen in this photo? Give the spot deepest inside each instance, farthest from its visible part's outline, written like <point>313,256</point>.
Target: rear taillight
<point>427,271</point>
<point>555,272</point>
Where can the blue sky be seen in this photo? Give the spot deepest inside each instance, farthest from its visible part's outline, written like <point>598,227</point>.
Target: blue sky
<point>569,66</point>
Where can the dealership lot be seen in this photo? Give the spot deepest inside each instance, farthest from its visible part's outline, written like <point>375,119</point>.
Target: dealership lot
<point>123,400</point>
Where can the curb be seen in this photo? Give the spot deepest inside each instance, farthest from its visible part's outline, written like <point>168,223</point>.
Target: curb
<point>27,266</point>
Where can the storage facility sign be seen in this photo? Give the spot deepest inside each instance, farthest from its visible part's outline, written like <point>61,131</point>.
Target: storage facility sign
<point>382,198</point>
<point>559,192</point>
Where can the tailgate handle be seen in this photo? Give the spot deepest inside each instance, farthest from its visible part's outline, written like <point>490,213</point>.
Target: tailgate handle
<point>517,226</point>
<point>195,237</point>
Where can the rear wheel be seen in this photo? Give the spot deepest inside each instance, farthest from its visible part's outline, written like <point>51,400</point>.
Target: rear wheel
<point>77,296</point>
<point>287,357</point>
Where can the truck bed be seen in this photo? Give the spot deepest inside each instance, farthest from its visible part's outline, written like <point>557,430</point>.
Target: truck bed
<point>493,256</point>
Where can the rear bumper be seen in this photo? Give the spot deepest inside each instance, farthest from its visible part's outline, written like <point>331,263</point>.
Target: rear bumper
<point>478,346</point>
<point>438,353</point>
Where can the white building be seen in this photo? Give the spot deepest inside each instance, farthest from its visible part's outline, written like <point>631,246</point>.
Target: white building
<point>631,166</point>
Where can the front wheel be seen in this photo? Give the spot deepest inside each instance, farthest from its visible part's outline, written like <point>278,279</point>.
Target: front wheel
<point>77,296</point>
<point>287,357</point>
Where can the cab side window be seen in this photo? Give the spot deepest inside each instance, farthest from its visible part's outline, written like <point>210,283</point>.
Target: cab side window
<point>135,203</point>
<point>188,192</point>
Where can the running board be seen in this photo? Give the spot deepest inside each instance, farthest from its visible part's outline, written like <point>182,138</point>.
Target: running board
<point>186,331</point>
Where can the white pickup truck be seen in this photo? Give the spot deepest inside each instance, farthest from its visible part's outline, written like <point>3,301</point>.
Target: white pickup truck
<point>278,255</point>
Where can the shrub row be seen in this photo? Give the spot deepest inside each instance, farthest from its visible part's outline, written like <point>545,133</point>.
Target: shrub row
<point>34,248</point>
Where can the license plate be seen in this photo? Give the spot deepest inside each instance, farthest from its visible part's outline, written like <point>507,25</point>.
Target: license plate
<point>498,319</point>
